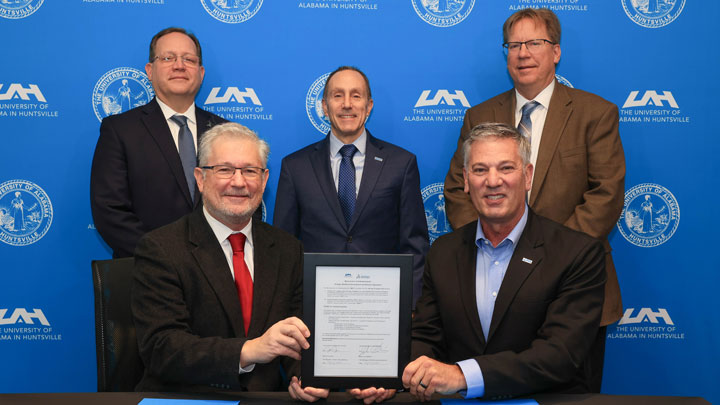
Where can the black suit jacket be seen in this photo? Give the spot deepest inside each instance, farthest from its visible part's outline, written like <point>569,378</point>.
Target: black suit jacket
<point>546,314</point>
<point>137,182</point>
<point>187,312</point>
<point>389,216</point>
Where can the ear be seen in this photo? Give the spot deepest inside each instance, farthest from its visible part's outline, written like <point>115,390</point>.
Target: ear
<point>465,179</point>
<point>528,176</point>
<point>198,172</point>
<point>148,70</point>
<point>324,106</point>
<point>556,53</point>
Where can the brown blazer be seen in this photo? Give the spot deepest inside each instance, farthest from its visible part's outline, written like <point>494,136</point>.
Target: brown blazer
<point>579,177</point>
<point>546,314</point>
<point>187,312</point>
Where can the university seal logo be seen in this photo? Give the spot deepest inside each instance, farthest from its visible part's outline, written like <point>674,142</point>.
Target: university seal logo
<point>231,11</point>
<point>650,216</point>
<point>25,212</point>
<point>119,90</point>
<point>434,202</point>
<point>653,13</point>
<point>16,9</point>
<point>443,13</point>
<point>563,80</point>
<point>313,105</point>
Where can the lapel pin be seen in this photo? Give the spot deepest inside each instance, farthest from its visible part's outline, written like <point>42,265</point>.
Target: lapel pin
<point>379,159</point>
<point>526,260</point>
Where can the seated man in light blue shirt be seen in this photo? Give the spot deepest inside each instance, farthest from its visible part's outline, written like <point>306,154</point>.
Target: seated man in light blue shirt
<point>511,302</point>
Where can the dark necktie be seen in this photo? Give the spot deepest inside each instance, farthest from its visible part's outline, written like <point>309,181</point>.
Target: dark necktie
<point>186,147</point>
<point>525,126</point>
<point>346,182</point>
<point>243,281</point>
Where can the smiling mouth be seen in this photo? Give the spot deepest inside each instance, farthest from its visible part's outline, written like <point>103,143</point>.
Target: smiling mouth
<point>495,197</point>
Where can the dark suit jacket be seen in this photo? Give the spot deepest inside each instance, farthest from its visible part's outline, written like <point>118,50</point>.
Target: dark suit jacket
<point>579,177</point>
<point>389,216</point>
<point>137,182</point>
<point>546,314</point>
<point>187,312</point>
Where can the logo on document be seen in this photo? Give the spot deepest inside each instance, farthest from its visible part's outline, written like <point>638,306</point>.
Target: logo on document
<point>232,11</point>
<point>16,9</point>
<point>443,13</point>
<point>645,323</point>
<point>653,13</point>
<point>434,202</point>
<point>650,216</point>
<point>119,90</point>
<point>563,81</point>
<point>443,106</point>
<point>26,212</point>
<point>313,104</point>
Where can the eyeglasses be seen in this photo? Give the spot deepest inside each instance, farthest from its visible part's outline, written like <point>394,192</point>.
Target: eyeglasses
<point>532,45</point>
<point>227,172</point>
<point>187,60</point>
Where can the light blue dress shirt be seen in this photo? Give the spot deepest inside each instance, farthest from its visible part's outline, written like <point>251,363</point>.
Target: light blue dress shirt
<point>358,158</point>
<point>490,267</point>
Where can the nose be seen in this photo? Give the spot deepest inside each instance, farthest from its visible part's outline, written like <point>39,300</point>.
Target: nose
<point>523,52</point>
<point>237,179</point>
<point>178,64</point>
<point>494,178</point>
<point>346,101</point>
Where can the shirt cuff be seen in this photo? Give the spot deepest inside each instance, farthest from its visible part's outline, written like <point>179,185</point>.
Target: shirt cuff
<point>247,369</point>
<point>473,379</point>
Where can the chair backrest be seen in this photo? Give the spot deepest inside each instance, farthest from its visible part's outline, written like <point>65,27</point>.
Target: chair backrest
<point>119,367</point>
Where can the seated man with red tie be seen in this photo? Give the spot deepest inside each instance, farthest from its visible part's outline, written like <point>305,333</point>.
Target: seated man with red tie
<point>216,295</point>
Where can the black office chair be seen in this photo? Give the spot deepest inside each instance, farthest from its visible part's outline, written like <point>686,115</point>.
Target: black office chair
<point>119,367</point>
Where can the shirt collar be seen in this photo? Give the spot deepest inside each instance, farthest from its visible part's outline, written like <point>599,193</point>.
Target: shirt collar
<point>336,144</point>
<point>222,232</point>
<point>513,236</point>
<point>169,112</point>
<point>543,97</point>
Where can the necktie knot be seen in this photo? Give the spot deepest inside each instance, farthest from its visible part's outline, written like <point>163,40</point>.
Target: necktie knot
<point>181,120</point>
<point>529,107</point>
<point>347,151</point>
<point>237,241</point>
<point>525,125</point>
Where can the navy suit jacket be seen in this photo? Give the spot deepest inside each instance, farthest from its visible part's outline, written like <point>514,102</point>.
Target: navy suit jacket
<point>136,181</point>
<point>546,315</point>
<point>389,216</point>
<point>188,315</point>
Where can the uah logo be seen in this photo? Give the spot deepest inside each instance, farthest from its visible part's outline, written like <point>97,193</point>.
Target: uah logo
<point>653,13</point>
<point>313,104</point>
<point>650,97</point>
<point>645,315</point>
<point>21,315</point>
<point>119,90</point>
<point>442,96</point>
<point>434,202</point>
<point>15,9</point>
<point>26,212</point>
<point>650,216</point>
<point>16,90</point>
<point>232,94</point>
<point>232,11</point>
<point>563,80</point>
<point>443,13</point>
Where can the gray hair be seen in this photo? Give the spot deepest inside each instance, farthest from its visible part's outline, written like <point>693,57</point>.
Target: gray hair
<point>235,131</point>
<point>498,130</point>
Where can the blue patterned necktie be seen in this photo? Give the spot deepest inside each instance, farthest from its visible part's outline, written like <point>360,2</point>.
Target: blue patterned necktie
<point>186,147</point>
<point>346,181</point>
<point>525,126</point>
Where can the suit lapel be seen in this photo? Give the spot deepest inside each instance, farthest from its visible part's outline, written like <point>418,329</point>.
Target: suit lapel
<point>212,262</point>
<point>557,116</point>
<point>320,160</point>
<point>157,127</point>
<point>505,109</point>
<point>374,162</point>
<point>465,267</point>
<point>525,259</point>
<point>266,264</point>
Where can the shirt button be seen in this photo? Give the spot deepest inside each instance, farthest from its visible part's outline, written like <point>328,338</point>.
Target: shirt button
<point>349,239</point>
<point>494,293</point>
<point>497,262</point>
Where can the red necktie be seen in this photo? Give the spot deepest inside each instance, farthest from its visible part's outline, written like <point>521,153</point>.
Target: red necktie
<point>243,281</point>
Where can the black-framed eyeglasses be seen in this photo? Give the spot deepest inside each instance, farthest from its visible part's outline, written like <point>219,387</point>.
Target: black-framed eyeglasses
<point>226,172</point>
<point>171,58</point>
<point>532,45</point>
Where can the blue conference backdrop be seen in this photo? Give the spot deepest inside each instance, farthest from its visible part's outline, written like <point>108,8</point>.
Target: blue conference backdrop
<point>67,64</point>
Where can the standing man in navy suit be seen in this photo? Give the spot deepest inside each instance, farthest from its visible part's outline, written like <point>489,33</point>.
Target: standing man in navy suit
<point>367,202</point>
<point>139,181</point>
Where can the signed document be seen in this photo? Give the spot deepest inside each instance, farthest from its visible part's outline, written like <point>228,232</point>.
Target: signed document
<point>356,321</point>
<point>358,309</point>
